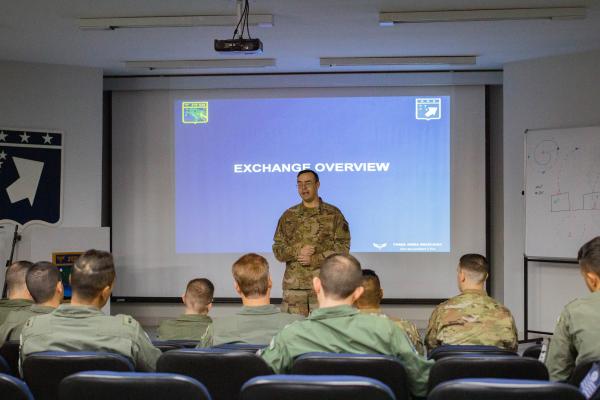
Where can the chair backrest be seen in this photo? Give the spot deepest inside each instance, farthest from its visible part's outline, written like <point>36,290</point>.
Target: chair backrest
<point>184,343</point>
<point>10,352</point>
<point>222,372</point>
<point>4,367</point>
<point>387,369</point>
<point>13,388</point>
<point>580,372</point>
<point>44,371</point>
<point>533,351</point>
<point>507,367</point>
<point>102,385</point>
<point>250,348</point>
<point>503,389</point>
<point>462,350</point>
<point>166,345</point>
<point>323,387</point>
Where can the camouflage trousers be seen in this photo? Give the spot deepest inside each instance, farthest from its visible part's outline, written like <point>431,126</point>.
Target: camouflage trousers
<point>299,301</point>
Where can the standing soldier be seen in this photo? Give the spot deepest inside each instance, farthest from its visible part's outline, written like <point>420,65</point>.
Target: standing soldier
<point>306,234</point>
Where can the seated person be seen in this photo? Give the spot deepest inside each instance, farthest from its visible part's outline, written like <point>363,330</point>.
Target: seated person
<point>258,320</point>
<point>369,303</point>
<point>472,317</point>
<point>82,326</point>
<point>194,323</point>
<point>45,286</point>
<point>16,290</point>
<point>338,327</point>
<point>577,332</point>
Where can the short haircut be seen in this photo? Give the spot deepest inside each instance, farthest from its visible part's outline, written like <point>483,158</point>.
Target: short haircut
<point>371,297</point>
<point>475,266</point>
<point>93,271</point>
<point>199,293</point>
<point>251,273</point>
<point>15,275</point>
<point>309,171</point>
<point>340,275</point>
<point>589,256</point>
<point>41,281</point>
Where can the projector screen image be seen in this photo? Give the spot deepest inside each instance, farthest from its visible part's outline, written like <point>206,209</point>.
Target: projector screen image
<point>383,161</point>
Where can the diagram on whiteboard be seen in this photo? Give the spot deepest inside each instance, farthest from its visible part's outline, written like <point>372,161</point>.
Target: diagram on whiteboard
<point>562,190</point>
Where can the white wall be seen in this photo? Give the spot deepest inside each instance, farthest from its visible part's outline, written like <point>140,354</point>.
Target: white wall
<point>67,99</point>
<point>551,92</point>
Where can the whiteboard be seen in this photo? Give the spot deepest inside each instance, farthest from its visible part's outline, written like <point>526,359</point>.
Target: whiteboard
<point>562,190</point>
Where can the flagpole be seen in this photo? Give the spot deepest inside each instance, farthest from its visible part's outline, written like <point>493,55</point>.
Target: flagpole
<point>16,238</point>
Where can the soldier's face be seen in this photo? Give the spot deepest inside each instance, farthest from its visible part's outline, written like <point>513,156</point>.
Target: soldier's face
<point>308,187</point>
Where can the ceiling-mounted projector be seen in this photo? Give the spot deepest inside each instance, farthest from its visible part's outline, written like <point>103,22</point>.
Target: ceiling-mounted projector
<point>239,45</point>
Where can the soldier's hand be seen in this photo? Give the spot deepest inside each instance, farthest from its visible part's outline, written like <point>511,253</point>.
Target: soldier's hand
<point>307,250</point>
<point>304,260</point>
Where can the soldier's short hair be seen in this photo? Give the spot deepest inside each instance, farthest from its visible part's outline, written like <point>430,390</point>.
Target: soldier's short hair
<point>475,265</point>
<point>41,281</point>
<point>199,293</point>
<point>371,297</point>
<point>309,171</point>
<point>15,276</point>
<point>251,273</point>
<point>93,271</point>
<point>340,275</point>
<point>589,256</point>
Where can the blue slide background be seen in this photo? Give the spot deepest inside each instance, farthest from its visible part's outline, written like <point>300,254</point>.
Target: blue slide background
<point>219,211</point>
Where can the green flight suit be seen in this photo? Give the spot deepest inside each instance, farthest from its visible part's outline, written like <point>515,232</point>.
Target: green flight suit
<point>472,318</point>
<point>13,325</point>
<point>187,327</point>
<point>343,329</point>
<point>575,338</point>
<point>323,227</point>
<point>408,327</point>
<point>85,328</point>
<point>8,305</point>
<point>252,325</point>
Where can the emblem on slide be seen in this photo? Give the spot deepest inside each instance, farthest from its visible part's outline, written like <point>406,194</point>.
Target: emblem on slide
<point>428,108</point>
<point>30,176</point>
<point>380,246</point>
<point>194,112</point>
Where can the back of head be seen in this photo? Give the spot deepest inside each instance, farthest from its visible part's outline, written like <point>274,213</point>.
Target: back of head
<point>340,275</point>
<point>589,256</point>
<point>41,281</point>
<point>371,297</point>
<point>199,294</point>
<point>251,273</point>
<point>15,277</point>
<point>475,267</point>
<point>93,271</point>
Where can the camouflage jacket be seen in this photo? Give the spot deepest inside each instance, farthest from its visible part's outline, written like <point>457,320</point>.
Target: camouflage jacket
<point>473,318</point>
<point>408,327</point>
<point>323,227</point>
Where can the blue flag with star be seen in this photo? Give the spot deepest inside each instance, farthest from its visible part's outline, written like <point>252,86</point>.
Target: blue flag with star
<point>30,176</point>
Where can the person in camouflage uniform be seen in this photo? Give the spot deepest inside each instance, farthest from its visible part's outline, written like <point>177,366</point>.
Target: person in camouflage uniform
<point>18,296</point>
<point>306,234</point>
<point>369,303</point>
<point>577,332</point>
<point>472,317</point>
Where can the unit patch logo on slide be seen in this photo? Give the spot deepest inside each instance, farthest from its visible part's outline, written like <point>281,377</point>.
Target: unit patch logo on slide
<point>30,176</point>
<point>428,108</point>
<point>194,112</point>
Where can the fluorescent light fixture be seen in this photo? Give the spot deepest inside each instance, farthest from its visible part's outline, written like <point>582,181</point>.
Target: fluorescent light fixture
<point>390,18</point>
<point>202,64</point>
<point>262,20</point>
<point>418,60</point>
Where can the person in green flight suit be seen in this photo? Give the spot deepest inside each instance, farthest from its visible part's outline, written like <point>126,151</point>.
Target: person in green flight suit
<point>16,289</point>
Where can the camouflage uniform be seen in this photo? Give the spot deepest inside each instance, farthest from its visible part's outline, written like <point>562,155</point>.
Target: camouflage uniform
<point>575,338</point>
<point>13,325</point>
<point>342,329</point>
<point>408,327</point>
<point>85,328</point>
<point>473,318</point>
<point>323,227</point>
<point>8,305</point>
<point>187,327</point>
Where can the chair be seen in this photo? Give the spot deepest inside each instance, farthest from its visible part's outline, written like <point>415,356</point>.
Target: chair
<point>462,350</point>
<point>250,348</point>
<point>44,371</point>
<point>10,352</point>
<point>166,345</point>
<point>503,389</point>
<point>533,351</point>
<point>386,369</point>
<point>580,372</point>
<point>184,343</point>
<point>324,387</point>
<point>102,385</point>
<point>4,367</point>
<point>223,372</point>
<point>508,367</point>
<point>12,388</point>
